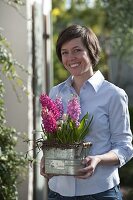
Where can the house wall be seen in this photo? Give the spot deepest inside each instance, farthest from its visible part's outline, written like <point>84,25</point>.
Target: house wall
<point>14,27</point>
<point>17,28</point>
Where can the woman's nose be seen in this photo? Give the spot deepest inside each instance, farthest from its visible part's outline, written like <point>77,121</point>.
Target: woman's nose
<point>71,56</point>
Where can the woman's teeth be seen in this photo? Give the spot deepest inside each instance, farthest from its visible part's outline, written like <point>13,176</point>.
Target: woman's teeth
<point>74,65</point>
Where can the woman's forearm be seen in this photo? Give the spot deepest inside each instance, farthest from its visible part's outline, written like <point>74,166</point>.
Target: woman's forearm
<point>108,158</point>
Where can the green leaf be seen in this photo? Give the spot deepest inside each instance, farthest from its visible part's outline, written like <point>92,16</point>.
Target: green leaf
<point>82,122</point>
<point>86,130</point>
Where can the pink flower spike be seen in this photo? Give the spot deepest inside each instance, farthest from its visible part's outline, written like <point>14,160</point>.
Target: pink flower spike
<point>59,104</point>
<point>47,102</point>
<point>48,121</point>
<point>73,109</point>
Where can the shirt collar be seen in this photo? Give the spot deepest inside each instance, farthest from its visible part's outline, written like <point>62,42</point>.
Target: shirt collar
<point>69,81</point>
<point>96,80</point>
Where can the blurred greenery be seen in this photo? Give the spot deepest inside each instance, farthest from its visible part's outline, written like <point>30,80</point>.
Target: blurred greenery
<point>119,15</point>
<point>110,20</point>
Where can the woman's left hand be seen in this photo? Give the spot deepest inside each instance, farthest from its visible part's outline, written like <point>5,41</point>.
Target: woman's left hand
<point>90,163</point>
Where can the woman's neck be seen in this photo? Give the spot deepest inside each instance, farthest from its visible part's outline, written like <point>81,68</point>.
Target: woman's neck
<point>78,82</point>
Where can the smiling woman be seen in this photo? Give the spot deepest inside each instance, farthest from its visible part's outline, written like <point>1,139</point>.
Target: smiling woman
<point>75,58</point>
<point>88,41</point>
<point>78,50</point>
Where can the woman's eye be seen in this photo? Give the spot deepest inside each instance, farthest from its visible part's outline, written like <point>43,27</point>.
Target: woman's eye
<point>73,52</point>
<point>77,50</point>
<point>63,53</point>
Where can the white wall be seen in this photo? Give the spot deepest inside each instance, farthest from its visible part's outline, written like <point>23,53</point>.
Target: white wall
<point>15,30</point>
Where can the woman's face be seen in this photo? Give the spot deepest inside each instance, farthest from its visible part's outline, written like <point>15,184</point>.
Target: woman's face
<point>75,57</point>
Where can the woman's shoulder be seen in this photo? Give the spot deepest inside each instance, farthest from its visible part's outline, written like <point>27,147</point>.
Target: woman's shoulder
<point>114,89</point>
<point>114,92</point>
<point>55,90</point>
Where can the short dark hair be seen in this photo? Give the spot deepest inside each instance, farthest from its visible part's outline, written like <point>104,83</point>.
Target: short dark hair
<point>88,37</point>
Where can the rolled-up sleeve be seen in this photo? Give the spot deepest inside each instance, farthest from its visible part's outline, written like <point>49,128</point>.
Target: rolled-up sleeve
<point>121,135</point>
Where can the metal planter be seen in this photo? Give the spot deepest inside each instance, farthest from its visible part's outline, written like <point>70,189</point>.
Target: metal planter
<point>64,159</point>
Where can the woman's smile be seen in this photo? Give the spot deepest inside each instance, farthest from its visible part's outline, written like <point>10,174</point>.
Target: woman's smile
<point>75,58</point>
<point>74,65</point>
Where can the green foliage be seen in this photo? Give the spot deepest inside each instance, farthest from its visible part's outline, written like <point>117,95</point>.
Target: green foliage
<point>70,133</point>
<point>15,3</point>
<point>13,165</point>
<point>8,67</point>
<point>119,18</point>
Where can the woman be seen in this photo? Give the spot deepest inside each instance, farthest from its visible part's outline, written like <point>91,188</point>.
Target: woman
<point>78,50</point>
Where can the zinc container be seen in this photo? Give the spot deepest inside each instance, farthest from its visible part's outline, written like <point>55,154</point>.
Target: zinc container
<point>64,160</point>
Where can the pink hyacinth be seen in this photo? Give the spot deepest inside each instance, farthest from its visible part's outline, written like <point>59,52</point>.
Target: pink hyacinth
<point>48,120</point>
<point>48,104</point>
<point>73,109</point>
<point>59,104</point>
